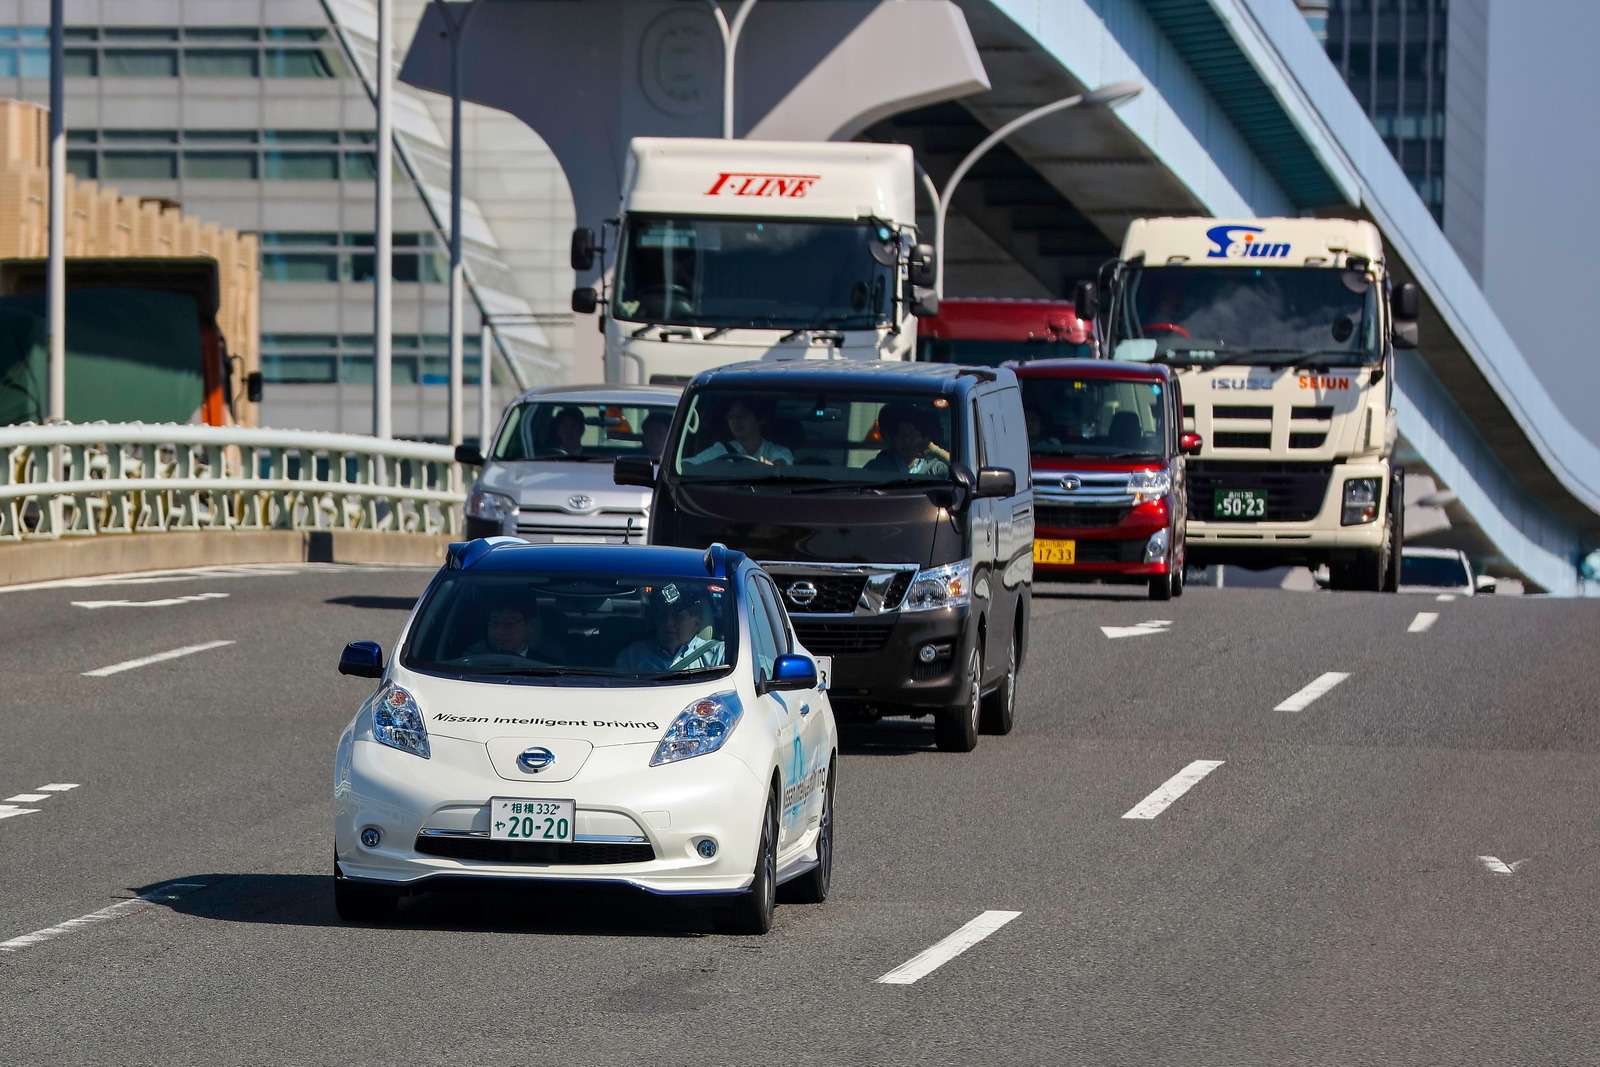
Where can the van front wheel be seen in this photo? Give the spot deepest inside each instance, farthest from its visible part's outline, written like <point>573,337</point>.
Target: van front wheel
<point>956,729</point>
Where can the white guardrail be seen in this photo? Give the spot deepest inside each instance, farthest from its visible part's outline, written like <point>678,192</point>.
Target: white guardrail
<point>83,479</point>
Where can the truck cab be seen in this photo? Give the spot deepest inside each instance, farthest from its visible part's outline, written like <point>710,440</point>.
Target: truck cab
<point>731,250</point>
<point>986,332</point>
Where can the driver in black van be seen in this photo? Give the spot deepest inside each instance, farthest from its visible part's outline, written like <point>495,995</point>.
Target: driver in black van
<point>747,430</point>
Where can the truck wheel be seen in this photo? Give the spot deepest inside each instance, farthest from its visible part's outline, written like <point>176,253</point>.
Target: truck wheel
<point>1395,539</point>
<point>999,707</point>
<point>956,729</point>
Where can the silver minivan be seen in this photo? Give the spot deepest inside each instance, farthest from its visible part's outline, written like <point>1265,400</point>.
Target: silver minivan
<point>547,475</point>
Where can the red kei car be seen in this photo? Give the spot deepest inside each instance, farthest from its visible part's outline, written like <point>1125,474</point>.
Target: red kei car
<point>1108,451</point>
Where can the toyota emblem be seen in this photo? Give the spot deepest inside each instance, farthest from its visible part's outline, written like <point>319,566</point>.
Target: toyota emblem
<point>1071,482</point>
<point>580,501</point>
<point>802,593</point>
<point>534,760</point>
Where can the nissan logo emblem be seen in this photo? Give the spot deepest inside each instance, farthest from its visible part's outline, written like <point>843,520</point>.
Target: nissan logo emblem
<point>1071,482</point>
<point>580,501</point>
<point>802,593</point>
<point>534,760</point>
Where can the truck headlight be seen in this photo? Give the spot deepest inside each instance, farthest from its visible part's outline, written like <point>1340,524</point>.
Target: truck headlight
<point>494,507</point>
<point>397,721</point>
<point>1149,485</point>
<point>700,728</point>
<point>948,586</point>
<point>1360,501</point>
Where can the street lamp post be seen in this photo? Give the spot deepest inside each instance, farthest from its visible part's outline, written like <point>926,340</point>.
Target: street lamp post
<point>457,30</point>
<point>383,289</point>
<point>730,47</point>
<point>56,274</point>
<point>1105,96</point>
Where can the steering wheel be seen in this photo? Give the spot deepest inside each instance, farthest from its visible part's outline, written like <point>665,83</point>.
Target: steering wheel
<point>736,457</point>
<point>1165,327</point>
<point>669,298</point>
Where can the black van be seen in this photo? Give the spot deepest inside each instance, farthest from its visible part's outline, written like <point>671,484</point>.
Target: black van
<point>893,504</point>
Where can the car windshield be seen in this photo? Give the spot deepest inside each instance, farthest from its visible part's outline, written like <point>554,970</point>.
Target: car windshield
<point>542,628</point>
<point>757,273</point>
<point>1094,417</point>
<point>579,431</point>
<point>1444,571</point>
<point>975,353</point>
<point>1257,316</point>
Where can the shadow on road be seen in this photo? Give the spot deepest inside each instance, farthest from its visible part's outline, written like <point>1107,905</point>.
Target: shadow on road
<point>378,603</point>
<point>1090,592</point>
<point>472,907</point>
<point>890,737</point>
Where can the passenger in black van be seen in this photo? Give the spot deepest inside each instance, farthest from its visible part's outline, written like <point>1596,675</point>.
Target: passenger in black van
<point>911,447</point>
<point>747,440</point>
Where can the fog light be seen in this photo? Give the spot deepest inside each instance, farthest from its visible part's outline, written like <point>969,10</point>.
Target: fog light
<point>1155,549</point>
<point>371,836</point>
<point>706,847</point>
<point>1360,501</point>
<point>927,653</point>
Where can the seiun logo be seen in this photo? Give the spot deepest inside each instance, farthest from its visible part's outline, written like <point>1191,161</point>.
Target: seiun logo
<point>1241,383</point>
<point>1240,242</point>
<point>741,183</point>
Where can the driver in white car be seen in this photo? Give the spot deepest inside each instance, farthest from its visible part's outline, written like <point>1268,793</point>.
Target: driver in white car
<point>748,439</point>
<point>676,643</point>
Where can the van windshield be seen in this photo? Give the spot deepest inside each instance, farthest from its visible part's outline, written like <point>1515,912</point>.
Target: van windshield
<point>885,440</point>
<point>1094,417</point>
<point>756,273</point>
<point>570,431</point>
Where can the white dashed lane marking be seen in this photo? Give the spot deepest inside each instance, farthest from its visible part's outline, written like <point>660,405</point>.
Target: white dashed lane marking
<point>142,902</point>
<point>1141,629</point>
<point>27,798</point>
<point>1172,789</point>
<point>1496,866</point>
<point>159,657</point>
<point>1445,598</point>
<point>1422,622</point>
<point>1302,700</point>
<point>11,807</point>
<point>931,959</point>
<point>8,811</point>
<point>95,605</point>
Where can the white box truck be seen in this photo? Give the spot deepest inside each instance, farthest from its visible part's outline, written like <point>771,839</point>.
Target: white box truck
<point>1283,331</point>
<point>729,250</point>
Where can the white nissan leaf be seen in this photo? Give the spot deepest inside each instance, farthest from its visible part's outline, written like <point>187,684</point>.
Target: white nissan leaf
<point>590,713</point>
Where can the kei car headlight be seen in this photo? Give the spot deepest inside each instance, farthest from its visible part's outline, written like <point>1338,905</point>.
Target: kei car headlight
<point>949,586</point>
<point>397,721</point>
<point>495,507</point>
<point>1149,485</point>
<point>700,728</point>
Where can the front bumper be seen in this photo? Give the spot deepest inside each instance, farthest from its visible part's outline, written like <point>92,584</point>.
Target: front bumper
<point>885,670</point>
<point>1320,537</point>
<point>620,800</point>
<point>1110,552</point>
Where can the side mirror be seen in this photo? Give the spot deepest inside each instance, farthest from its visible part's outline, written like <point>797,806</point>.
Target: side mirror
<point>923,270</point>
<point>585,299</point>
<point>996,481</point>
<point>582,248</point>
<point>362,659</point>
<point>1486,585</point>
<point>470,455</point>
<point>925,304</point>
<point>1190,444</point>
<point>634,470</point>
<point>1085,301</point>
<point>254,386</point>
<point>791,671</point>
<point>1405,334</point>
<point>1407,302</point>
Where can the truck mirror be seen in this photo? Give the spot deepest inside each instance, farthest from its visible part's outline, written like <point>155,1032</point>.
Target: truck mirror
<point>634,470</point>
<point>923,273</point>
<point>585,300</point>
<point>925,305</point>
<point>254,387</point>
<point>1085,301</point>
<point>996,481</point>
<point>582,248</point>
<point>1190,444</point>
<point>1407,302</point>
<point>1405,334</point>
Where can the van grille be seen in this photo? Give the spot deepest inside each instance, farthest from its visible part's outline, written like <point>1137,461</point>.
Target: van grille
<point>1295,491</point>
<point>576,854</point>
<point>837,594</point>
<point>841,638</point>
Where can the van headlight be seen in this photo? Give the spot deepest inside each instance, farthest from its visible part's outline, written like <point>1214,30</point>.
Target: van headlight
<point>700,728</point>
<point>949,586</point>
<point>1149,485</point>
<point>1360,501</point>
<point>494,507</point>
<point>397,721</point>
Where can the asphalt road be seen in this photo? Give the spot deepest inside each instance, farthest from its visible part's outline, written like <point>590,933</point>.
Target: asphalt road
<point>1403,872</point>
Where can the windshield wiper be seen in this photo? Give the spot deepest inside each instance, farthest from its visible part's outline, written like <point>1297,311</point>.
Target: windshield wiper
<point>574,457</point>
<point>888,483</point>
<point>775,479</point>
<point>536,672</point>
<point>687,672</point>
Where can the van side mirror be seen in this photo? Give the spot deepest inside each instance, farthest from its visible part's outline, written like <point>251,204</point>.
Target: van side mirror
<point>585,299</point>
<point>362,659</point>
<point>1485,585</point>
<point>469,455</point>
<point>634,470</point>
<point>923,270</point>
<point>582,248</point>
<point>790,671</point>
<point>1085,301</point>
<point>1190,444</point>
<point>254,386</point>
<point>996,481</point>
<point>925,304</point>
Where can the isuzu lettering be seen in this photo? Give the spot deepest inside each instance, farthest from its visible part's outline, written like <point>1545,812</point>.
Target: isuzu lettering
<point>1283,334</point>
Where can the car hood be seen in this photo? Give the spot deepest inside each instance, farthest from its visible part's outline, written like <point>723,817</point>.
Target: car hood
<point>534,483</point>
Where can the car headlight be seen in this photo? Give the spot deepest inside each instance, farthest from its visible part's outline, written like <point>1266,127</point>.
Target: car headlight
<point>495,507</point>
<point>397,721</point>
<point>700,728</point>
<point>949,586</point>
<point>1360,501</point>
<point>1149,485</point>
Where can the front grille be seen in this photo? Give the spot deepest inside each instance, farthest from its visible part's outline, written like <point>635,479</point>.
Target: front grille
<point>837,594</point>
<point>1311,411</point>
<point>1223,439</point>
<point>1295,491</point>
<point>841,638</point>
<point>1240,411</point>
<point>577,854</point>
<point>1109,552</point>
<point>897,590</point>
<point>1077,516</point>
<point>1307,440</point>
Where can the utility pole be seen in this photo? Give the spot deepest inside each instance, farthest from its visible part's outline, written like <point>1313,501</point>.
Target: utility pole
<point>383,270</point>
<point>56,278</point>
<point>457,28</point>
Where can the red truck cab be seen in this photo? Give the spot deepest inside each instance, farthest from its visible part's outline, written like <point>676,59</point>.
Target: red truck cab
<point>1108,450</point>
<point>987,333</point>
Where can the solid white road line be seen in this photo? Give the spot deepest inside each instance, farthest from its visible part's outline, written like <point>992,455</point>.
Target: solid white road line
<point>1154,626</point>
<point>1421,623</point>
<point>159,657</point>
<point>27,798</point>
<point>1495,866</point>
<point>931,959</point>
<point>9,810</point>
<point>94,605</point>
<point>58,787</point>
<point>1302,700</point>
<point>1172,789</point>
<point>115,911</point>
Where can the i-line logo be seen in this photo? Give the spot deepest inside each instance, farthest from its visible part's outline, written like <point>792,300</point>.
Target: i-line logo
<point>1239,242</point>
<point>750,183</point>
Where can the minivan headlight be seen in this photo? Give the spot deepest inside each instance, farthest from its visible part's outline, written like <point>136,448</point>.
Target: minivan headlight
<point>495,507</point>
<point>700,728</point>
<point>397,721</point>
<point>1149,485</point>
<point>1360,501</point>
<point>949,586</point>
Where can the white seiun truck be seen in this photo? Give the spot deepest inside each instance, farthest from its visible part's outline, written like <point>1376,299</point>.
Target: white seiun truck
<point>1283,332</point>
<point>731,250</point>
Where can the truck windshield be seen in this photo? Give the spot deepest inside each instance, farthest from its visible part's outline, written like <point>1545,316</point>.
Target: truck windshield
<point>570,431</point>
<point>1094,417</point>
<point>796,442</point>
<point>756,273</point>
<point>1258,316</point>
